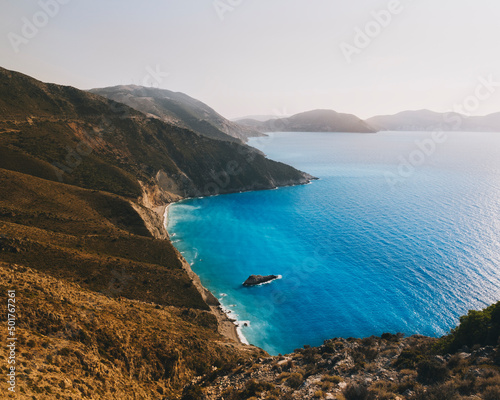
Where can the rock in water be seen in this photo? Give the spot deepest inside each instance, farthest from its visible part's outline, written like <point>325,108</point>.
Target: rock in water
<point>258,279</point>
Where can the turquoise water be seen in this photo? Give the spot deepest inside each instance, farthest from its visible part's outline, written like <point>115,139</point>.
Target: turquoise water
<point>378,244</point>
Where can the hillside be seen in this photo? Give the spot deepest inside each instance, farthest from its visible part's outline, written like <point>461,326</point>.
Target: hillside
<point>463,365</point>
<point>107,308</point>
<point>178,109</point>
<point>312,121</point>
<point>61,133</point>
<point>76,343</point>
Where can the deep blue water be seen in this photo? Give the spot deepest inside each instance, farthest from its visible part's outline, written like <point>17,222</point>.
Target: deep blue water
<point>363,250</point>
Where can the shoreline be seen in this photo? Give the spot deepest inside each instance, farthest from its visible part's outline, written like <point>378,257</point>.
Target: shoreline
<point>227,326</point>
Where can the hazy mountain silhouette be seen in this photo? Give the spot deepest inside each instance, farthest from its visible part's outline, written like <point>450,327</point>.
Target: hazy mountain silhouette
<point>179,109</point>
<point>312,121</point>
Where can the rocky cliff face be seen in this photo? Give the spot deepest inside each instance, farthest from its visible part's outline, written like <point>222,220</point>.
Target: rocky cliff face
<point>387,367</point>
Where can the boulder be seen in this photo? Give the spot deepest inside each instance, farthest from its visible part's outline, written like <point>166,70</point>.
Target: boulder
<point>258,279</point>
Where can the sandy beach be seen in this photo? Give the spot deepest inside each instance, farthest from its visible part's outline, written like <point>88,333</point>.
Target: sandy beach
<point>227,326</point>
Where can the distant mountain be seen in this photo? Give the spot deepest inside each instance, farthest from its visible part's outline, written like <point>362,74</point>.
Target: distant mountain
<point>312,121</point>
<point>178,109</point>
<point>260,118</point>
<point>425,120</point>
<point>489,123</point>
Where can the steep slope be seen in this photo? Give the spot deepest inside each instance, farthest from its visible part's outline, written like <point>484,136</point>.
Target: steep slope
<point>105,309</point>
<point>110,308</point>
<point>312,121</point>
<point>61,133</point>
<point>426,120</point>
<point>178,109</point>
<point>73,343</point>
<point>90,237</point>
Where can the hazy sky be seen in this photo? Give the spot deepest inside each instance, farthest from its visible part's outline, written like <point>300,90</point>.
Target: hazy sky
<point>265,56</point>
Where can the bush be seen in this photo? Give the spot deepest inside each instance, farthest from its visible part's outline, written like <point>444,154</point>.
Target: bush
<point>295,380</point>
<point>390,337</point>
<point>408,359</point>
<point>357,392</point>
<point>441,392</point>
<point>332,378</point>
<point>476,328</point>
<point>254,388</point>
<point>492,393</point>
<point>192,393</point>
<point>431,371</point>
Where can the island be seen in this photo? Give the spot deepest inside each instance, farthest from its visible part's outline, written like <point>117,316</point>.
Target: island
<point>254,280</point>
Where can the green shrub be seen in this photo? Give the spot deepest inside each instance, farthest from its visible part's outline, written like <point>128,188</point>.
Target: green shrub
<point>476,328</point>
<point>431,371</point>
<point>440,392</point>
<point>492,393</point>
<point>356,391</point>
<point>408,359</point>
<point>295,380</point>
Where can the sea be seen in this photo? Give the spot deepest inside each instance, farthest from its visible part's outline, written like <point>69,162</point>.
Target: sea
<point>400,234</point>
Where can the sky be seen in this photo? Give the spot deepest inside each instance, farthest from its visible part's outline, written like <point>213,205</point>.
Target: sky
<point>271,57</point>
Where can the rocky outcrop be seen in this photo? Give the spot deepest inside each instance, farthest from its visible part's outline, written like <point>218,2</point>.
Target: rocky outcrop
<point>254,280</point>
<point>386,367</point>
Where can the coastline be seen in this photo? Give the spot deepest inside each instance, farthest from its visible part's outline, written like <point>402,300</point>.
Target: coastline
<point>227,326</point>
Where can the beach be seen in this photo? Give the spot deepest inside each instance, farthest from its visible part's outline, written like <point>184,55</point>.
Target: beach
<point>226,325</point>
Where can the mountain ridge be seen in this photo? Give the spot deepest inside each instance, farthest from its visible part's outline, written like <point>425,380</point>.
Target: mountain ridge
<point>178,108</point>
<point>63,133</point>
<point>425,120</point>
<point>319,120</point>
